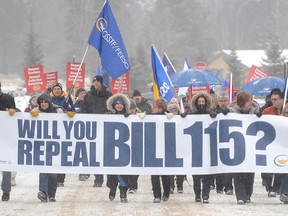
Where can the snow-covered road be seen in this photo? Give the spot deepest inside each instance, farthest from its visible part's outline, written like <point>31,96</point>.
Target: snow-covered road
<point>80,198</point>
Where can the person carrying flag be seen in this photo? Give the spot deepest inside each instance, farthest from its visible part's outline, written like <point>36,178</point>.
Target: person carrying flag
<point>95,103</point>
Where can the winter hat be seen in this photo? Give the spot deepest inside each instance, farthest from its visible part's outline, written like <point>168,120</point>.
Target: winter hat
<point>57,84</point>
<point>30,100</point>
<point>136,93</point>
<point>98,78</point>
<point>173,106</point>
<point>119,100</point>
<point>79,91</point>
<point>132,104</point>
<point>223,95</point>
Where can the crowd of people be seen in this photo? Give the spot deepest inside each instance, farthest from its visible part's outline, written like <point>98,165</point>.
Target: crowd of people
<point>99,100</point>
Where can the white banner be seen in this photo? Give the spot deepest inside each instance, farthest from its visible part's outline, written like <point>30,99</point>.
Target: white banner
<point>113,144</point>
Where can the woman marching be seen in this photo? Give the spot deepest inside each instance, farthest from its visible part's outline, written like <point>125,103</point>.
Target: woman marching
<point>47,181</point>
<point>243,182</point>
<point>118,104</point>
<point>201,104</point>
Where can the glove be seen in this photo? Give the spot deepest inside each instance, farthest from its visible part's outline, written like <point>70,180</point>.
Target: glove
<point>183,115</point>
<point>213,114</point>
<point>11,111</point>
<point>225,112</point>
<point>70,114</point>
<point>169,115</point>
<point>259,114</point>
<point>126,114</point>
<point>141,115</point>
<point>34,113</point>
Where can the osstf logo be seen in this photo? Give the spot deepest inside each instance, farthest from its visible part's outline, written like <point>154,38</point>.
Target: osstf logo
<point>281,160</point>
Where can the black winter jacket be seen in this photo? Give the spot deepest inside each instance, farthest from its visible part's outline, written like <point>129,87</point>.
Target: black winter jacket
<point>6,101</point>
<point>95,101</point>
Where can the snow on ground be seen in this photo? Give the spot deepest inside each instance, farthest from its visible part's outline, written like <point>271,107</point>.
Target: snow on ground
<point>80,198</point>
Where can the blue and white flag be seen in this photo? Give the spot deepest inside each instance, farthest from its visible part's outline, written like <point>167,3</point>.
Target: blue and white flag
<point>225,85</point>
<point>160,77</point>
<point>168,65</point>
<point>186,65</point>
<point>106,38</point>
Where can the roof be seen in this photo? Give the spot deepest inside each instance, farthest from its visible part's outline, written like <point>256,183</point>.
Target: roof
<point>252,57</point>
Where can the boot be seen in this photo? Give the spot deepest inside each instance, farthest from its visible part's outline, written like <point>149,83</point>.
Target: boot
<point>123,194</point>
<point>112,194</point>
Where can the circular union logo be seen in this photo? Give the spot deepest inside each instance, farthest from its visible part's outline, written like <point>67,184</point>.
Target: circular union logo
<point>281,160</point>
<point>36,88</point>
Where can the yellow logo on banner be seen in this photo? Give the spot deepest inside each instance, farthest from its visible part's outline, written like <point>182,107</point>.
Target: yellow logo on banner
<point>281,160</point>
<point>36,88</point>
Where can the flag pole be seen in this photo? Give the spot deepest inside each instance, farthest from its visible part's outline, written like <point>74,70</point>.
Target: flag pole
<point>285,87</point>
<point>230,88</point>
<point>285,93</point>
<point>77,74</point>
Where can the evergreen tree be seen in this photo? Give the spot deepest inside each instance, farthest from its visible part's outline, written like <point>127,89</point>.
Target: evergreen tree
<point>141,71</point>
<point>32,51</point>
<point>236,68</point>
<point>274,61</point>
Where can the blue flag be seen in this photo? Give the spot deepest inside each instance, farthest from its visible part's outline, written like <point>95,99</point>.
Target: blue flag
<point>160,76</point>
<point>104,74</point>
<point>225,85</point>
<point>106,38</point>
<point>168,65</point>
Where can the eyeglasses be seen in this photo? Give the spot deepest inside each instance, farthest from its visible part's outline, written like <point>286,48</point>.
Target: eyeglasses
<point>43,101</point>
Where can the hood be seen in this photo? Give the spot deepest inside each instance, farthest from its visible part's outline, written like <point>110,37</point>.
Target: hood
<point>235,108</point>
<point>47,97</point>
<point>195,98</point>
<point>112,99</point>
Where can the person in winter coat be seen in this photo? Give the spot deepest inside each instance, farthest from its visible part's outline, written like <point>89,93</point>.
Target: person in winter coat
<point>118,104</point>
<point>160,108</point>
<point>223,181</point>
<point>273,181</point>
<point>59,97</point>
<point>141,102</point>
<point>133,178</point>
<point>32,104</point>
<point>174,108</point>
<point>47,181</point>
<point>201,104</point>
<point>80,94</point>
<point>284,177</point>
<point>7,103</point>
<point>95,103</point>
<point>243,182</point>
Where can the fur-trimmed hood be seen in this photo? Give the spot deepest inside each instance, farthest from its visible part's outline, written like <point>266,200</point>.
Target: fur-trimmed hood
<point>195,98</point>
<point>113,98</point>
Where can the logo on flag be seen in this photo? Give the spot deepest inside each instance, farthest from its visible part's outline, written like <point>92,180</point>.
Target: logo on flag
<point>161,80</point>
<point>106,38</point>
